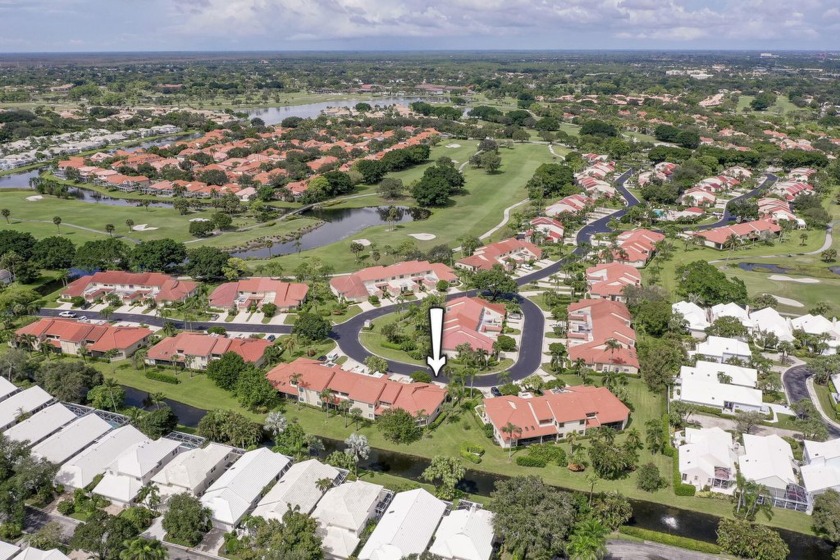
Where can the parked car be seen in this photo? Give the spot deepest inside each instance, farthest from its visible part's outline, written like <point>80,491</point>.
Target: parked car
<point>271,338</point>
<point>82,319</point>
<point>495,392</point>
<point>67,314</point>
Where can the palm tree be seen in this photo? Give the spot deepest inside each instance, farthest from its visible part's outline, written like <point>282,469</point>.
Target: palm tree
<point>57,222</point>
<point>139,357</point>
<point>732,242</point>
<point>111,384</point>
<point>275,423</point>
<point>612,345</point>
<point>143,549</point>
<point>513,432</point>
<point>803,237</point>
<point>6,213</point>
<point>110,229</point>
<point>588,541</point>
<point>269,244</point>
<point>324,484</point>
<point>357,448</point>
<point>129,223</point>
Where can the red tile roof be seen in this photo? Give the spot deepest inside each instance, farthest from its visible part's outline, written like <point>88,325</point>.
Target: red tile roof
<point>610,279</point>
<point>535,415</point>
<point>286,294</point>
<point>97,338</point>
<point>176,347</point>
<point>353,285</point>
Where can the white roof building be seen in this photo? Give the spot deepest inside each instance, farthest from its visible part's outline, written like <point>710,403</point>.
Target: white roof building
<point>93,461</point>
<point>25,402</point>
<point>707,458</point>
<point>237,490</point>
<point>722,349</point>
<point>134,468</point>
<point>42,424</point>
<point>7,388</point>
<point>405,528</point>
<point>194,470</point>
<point>821,466</point>
<point>817,325</point>
<point>8,550</point>
<point>769,320</point>
<point>32,553</point>
<point>72,439</point>
<point>704,386</point>
<point>694,315</point>
<point>465,534</point>
<point>730,310</point>
<point>343,513</point>
<point>296,489</point>
<point>768,460</point>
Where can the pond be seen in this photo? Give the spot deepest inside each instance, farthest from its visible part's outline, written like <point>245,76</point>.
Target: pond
<point>647,515</point>
<point>17,180</point>
<point>762,267</point>
<point>274,115</point>
<point>338,224</point>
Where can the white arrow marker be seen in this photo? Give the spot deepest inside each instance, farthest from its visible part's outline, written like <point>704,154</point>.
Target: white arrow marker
<point>436,360</point>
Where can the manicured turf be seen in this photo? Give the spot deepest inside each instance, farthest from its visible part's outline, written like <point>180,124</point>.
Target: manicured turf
<point>78,218</point>
<point>782,106</point>
<point>471,214</point>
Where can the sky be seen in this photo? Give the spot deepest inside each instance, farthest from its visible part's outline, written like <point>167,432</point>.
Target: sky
<point>282,25</point>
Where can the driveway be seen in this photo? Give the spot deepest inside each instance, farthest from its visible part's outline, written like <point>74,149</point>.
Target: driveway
<point>727,424</point>
<point>630,550</point>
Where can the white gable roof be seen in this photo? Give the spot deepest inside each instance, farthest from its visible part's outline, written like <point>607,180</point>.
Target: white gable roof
<point>41,424</point>
<point>232,495</point>
<point>7,388</point>
<point>716,394</point>
<point>717,346</point>
<point>82,469</point>
<point>818,478</point>
<point>706,449</point>
<point>348,506</point>
<point>297,488</point>
<point>139,460</point>
<point>708,371</point>
<point>769,320</point>
<point>694,315</point>
<point>815,324</point>
<point>71,439</point>
<point>730,310</point>
<point>465,534</point>
<point>24,402</point>
<point>118,487</point>
<point>8,550</point>
<point>190,469</point>
<point>767,460</point>
<point>31,553</point>
<point>822,451</point>
<point>405,528</point>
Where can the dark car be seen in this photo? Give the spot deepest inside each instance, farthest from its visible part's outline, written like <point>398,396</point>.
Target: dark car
<point>495,392</point>
<point>271,338</point>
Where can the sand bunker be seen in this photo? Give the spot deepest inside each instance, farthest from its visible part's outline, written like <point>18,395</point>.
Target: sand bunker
<point>783,278</point>
<point>453,145</point>
<point>363,242</point>
<point>34,198</point>
<point>789,302</point>
<point>199,220</point>
<point>143,227</point>
<point>423,236</point>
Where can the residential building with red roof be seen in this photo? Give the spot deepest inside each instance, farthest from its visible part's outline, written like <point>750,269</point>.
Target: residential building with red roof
<point>509,253</point>
<point>553,415</point>
<point>196,350</point>
<point>571,204</point>
<point>549,228</point>
<point>638,246</point>
<point>791,189</point>
<point>607,281</point>
<point>745,232</point>
<point>71,337</point>
<point>404,277</point>
<point>593,322</point>
<point>257,291</point>
<point>698,196</point>
<point>130,287</point>
<point>472,321</point>
<point>776,210</point>
<point>305,380</point>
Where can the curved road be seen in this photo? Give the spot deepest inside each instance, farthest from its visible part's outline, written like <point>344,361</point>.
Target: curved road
<point>796,388</point>
<point>347,334</point>
<point>727,216</point>
<point>530,352</point>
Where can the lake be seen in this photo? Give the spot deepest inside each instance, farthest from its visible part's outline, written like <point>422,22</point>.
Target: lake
<point>274,115</point>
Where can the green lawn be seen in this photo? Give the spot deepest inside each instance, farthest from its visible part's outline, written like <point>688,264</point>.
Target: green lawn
<point>471,214</point>
<point>198,391</point>
<point>782,106</point>
<point>78,218</point>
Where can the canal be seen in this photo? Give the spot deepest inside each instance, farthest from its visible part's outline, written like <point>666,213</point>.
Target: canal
<point>647,515</point>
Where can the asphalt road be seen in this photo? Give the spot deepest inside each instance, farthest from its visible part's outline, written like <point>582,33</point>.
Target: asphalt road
<point>346,334</point>
<point>530,350</point>
<point>727,216</point>
<point>794,381</point>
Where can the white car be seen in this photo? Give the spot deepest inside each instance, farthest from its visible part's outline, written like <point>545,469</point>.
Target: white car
<point>67,314</point>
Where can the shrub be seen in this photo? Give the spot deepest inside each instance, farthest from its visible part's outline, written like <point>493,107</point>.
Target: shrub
<point>488,430</point>
<point>164,377</point>
<point>66,507</point>
<point>530,461</point>
<point>509,389</point>
<point>548,452</point>
<point>471,453</point>
<point>373,300</point>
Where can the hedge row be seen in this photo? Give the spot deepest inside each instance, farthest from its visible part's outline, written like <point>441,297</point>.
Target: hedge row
<point>529,461</point>
<point>671,540</point>
<point>680,488</point>
<point>164,377</point>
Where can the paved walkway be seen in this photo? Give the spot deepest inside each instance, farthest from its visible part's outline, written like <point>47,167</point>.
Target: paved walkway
<point>727,424</point>
<point>632,550</point>
<point>828,239</point>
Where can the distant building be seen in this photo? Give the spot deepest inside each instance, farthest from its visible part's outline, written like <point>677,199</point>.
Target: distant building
<point>256,292</point>
<point>405,277</point>
<point>73,337</point>
<point>196,350</point>
<point>509,254</point>
<point>131,287</point>
<point>607,281</point>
